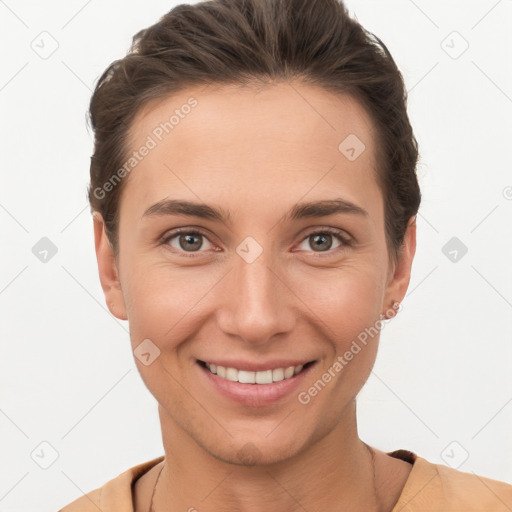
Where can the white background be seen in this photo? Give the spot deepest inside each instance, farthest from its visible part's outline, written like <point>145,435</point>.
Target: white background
<point>68,378</point>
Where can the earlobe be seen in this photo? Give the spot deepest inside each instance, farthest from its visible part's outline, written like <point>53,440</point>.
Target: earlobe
<point>399,281</point>
<point>108,271</point>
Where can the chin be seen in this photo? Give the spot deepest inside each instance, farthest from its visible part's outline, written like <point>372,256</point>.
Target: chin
<point>250,454</point>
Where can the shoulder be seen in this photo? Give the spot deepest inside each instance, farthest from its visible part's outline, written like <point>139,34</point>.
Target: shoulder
<point>115,495</point>
<point>436,487</point>
<point>471,492</point>
<point>87,503</point>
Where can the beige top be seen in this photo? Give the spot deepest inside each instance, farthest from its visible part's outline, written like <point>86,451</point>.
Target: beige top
<point>429,488</point>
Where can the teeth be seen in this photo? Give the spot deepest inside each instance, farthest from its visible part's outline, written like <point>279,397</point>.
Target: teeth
<point>245,377</point>
<point>262,377</point>
<point>277,374</point>
<point>289,372</point>
<point>232,374</point>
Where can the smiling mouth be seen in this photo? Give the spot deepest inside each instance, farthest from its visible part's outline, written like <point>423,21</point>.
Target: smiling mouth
<point>260,377</point>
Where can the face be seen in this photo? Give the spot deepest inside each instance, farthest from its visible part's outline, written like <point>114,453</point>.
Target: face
<point>247,275</point>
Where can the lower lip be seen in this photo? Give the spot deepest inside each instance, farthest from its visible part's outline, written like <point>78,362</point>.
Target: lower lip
<point>254,395</point>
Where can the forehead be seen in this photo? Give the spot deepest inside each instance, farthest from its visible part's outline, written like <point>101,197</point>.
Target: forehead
<point>279,141</point>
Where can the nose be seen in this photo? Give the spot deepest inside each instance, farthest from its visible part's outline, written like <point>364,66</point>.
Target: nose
<point>259,304</point>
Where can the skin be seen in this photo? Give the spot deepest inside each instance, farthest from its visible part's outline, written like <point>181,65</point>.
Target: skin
<point>256,152</point>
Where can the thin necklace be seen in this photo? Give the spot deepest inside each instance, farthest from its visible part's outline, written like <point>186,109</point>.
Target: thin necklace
<point>379,505</point>
<point>154,489</point>
<point>373,469</point>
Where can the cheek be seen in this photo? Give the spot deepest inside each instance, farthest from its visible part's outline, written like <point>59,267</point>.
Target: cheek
<point>160,309</point>
<point>346,299</point>
<point>345,311</point>
<point>163,303</point>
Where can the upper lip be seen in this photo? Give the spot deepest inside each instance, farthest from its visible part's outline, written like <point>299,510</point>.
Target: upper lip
<point>252,366</point>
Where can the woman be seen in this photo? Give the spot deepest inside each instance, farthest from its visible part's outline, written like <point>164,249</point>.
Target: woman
<point>232,142</point>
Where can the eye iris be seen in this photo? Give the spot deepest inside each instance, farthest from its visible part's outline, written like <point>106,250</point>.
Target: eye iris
<point>185,239</point>
<point>322,238</point>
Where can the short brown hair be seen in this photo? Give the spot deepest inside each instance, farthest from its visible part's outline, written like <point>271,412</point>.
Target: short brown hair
<point>242,41</point>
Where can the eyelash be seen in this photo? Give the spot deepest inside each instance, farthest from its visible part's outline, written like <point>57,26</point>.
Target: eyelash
<point>346,242</point>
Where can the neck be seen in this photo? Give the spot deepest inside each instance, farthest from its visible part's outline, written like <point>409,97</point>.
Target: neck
<point>337,471</point>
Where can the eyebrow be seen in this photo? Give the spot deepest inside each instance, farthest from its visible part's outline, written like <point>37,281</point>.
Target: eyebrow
<point>298,211</point>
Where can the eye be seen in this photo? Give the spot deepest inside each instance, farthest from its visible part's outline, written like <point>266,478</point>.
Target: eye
<point>186,240</point>
<point>323,240</point>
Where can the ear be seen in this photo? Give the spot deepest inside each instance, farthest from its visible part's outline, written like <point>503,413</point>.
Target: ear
<point>398,281</point>
<point>107,267</point>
